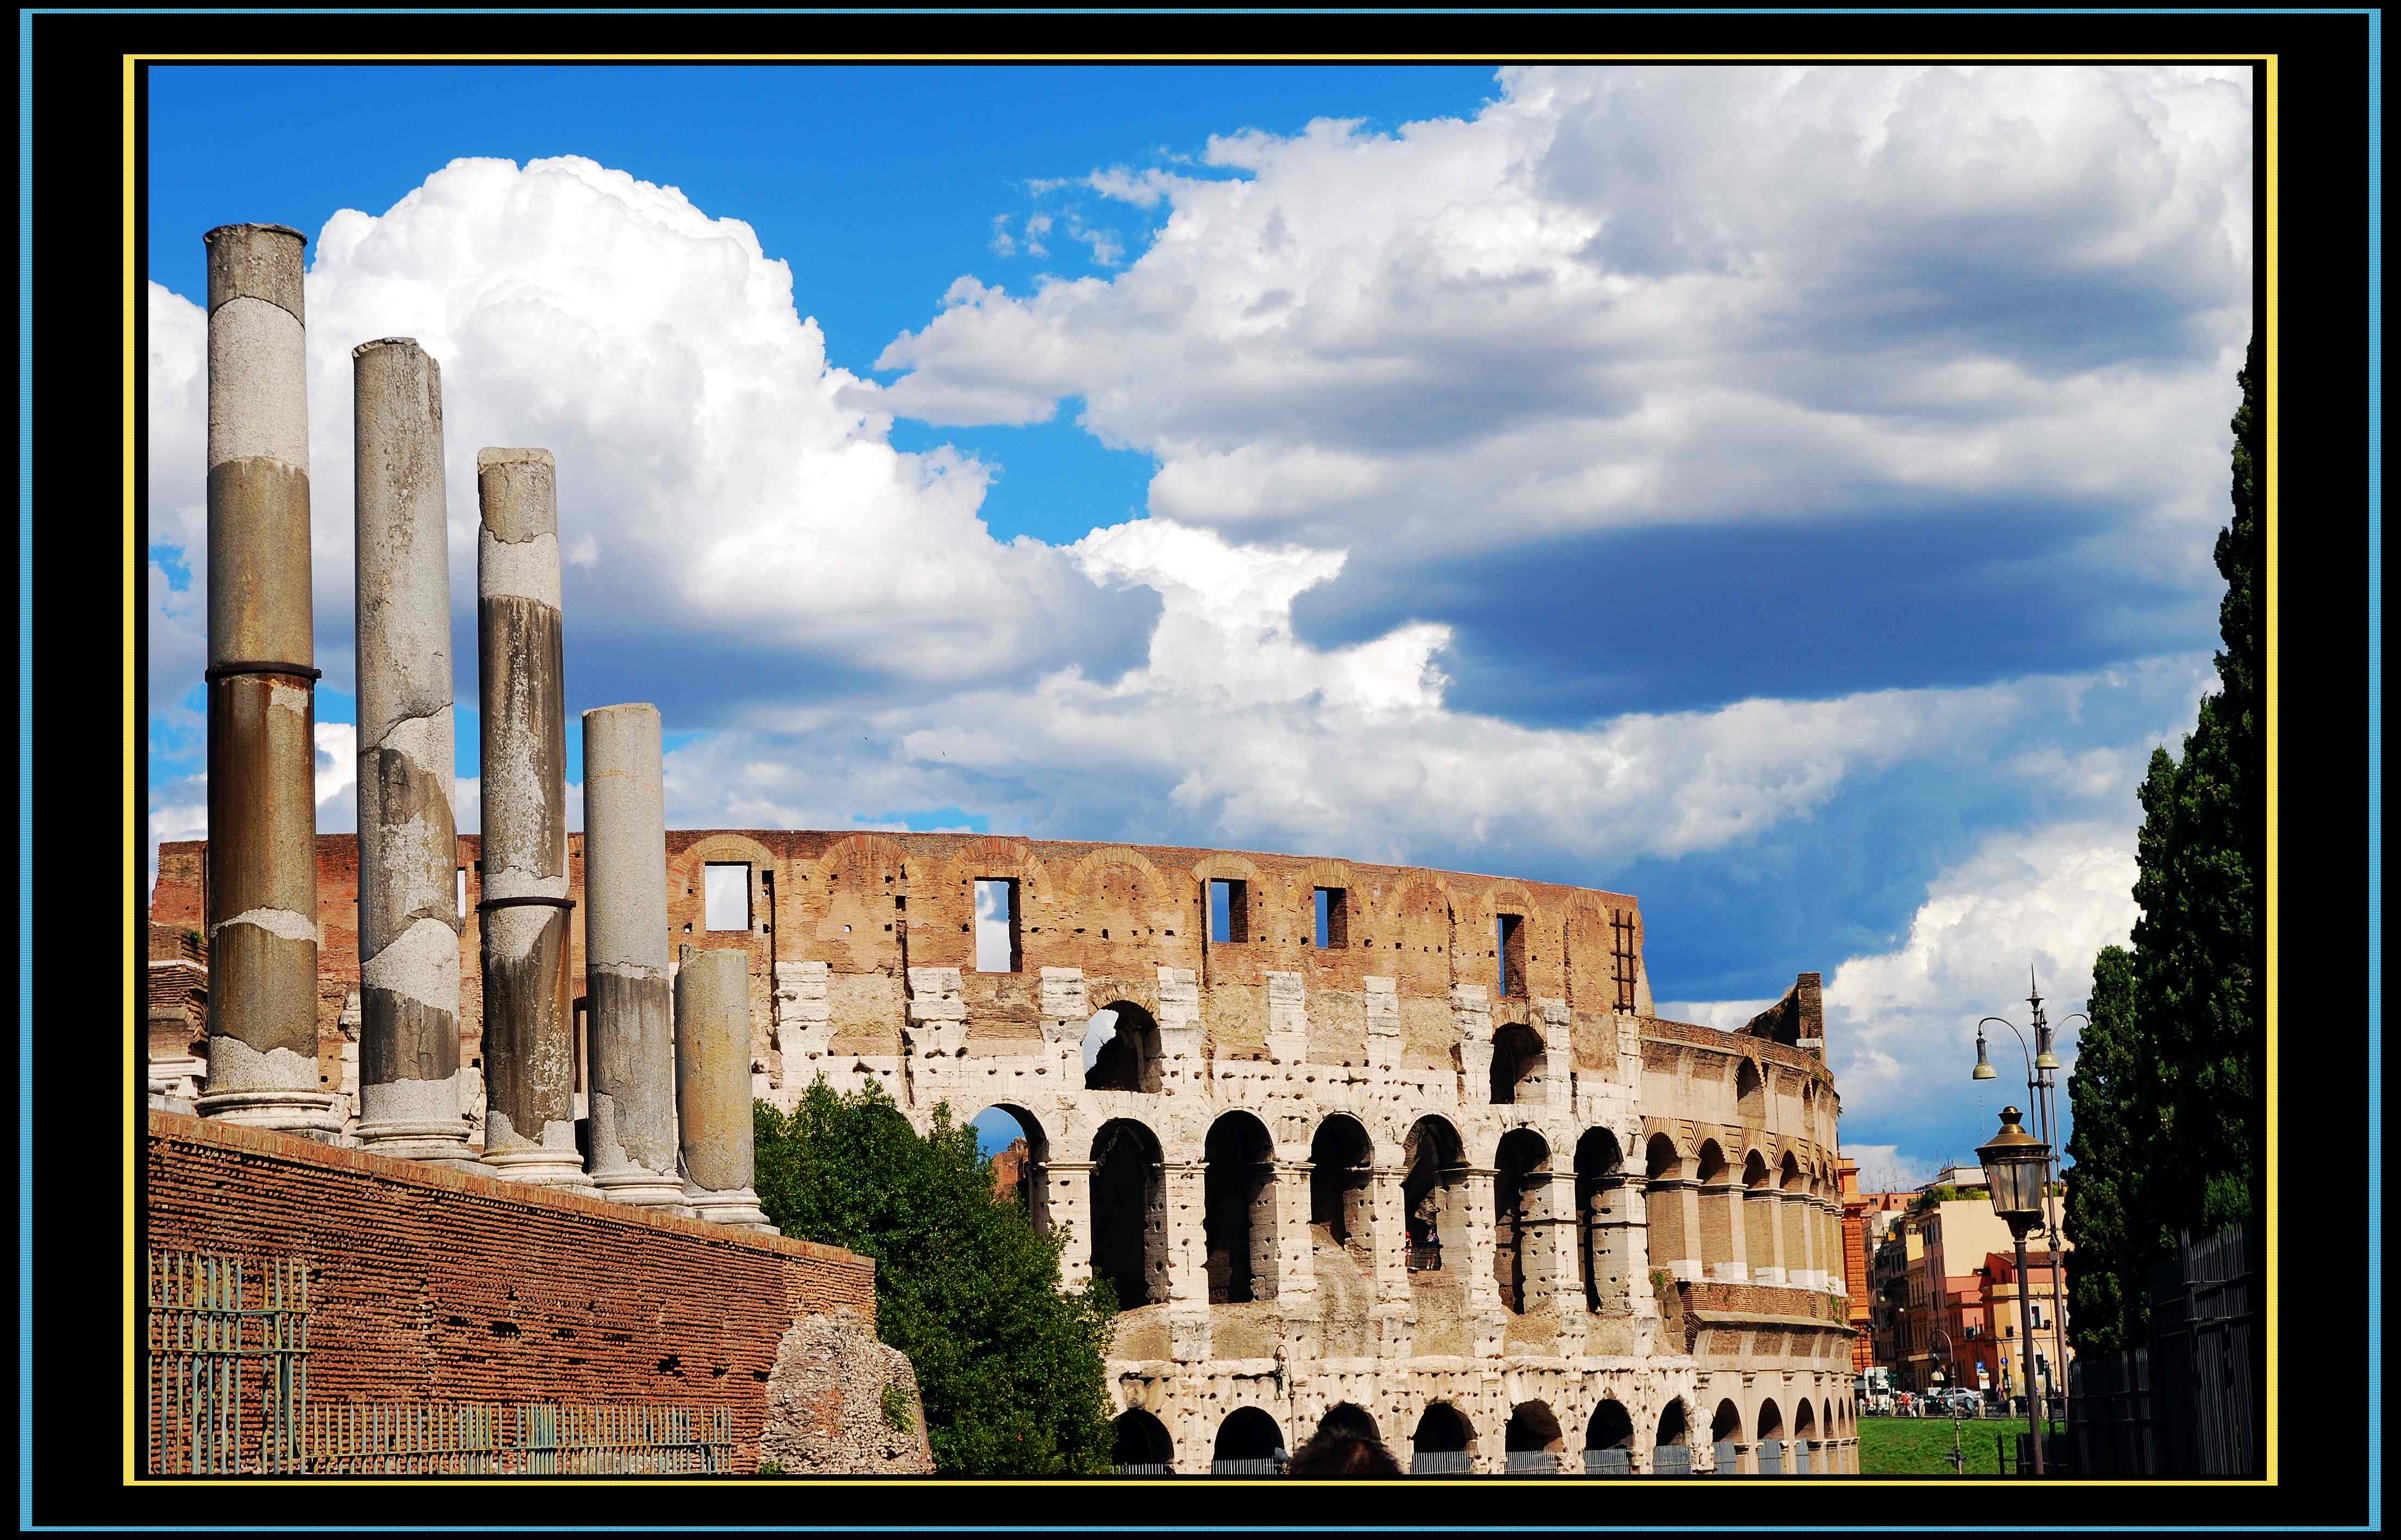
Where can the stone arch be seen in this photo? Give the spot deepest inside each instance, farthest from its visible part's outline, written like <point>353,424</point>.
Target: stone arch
<point>1532,1440</point>
<point>1804,1435</point>
<point>1129,1206</point>
<point>1605,1217</point>
<point>1830,1432</point>
<point>1522,1253</point>
<point>1341,1167</point>
<point>942,903</point>
<point>1264,916</point>
<point>1443,1443</point>
<point>1248,1443</point>
<point>1792,1209</point>
<point>1671,1439</point>
<point>1770,1450</point>
<point>1420,950</point>
<point>1435,1193</point>
<point>1520,1058</point>
<point>1142,1446</point>
<point>1112,899</point>
<point>1609,1439</point>
<point>1664,1196</point>
<point>1130,1057</point>
<point>1719,1217</point>
<point>1029,1183</point>
<point>1749,1095</point>
<point>1758,1215</point>
<point>1725,1437</point>
<point>1238,1216</point>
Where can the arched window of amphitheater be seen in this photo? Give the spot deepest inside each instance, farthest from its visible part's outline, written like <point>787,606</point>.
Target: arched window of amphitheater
<point>1608,1440</point>
<point>1521,1209</point>
<point>1664,1201</point>
<point>1534,1441</point>
<point>1444,1442</point>
<point>1671,1444</point>
<point>1129,1214</point>
<point>1805,1433</point>
<point>1340,1173</point>
<point>1238,1216</point>
<point>1517,1063</point>
<point>1434,1193</point>
<point>1759,1218</point>
<point>1121,1048</point>
<point>1248,1443</point>
<point>1141,1447</point>
<point>1604,1265</point>
<point>1750,1095</point>
<point>1830,1431</point>
<point>1719,1196</point>
<point>1725,1436</point>
<point>1771,1439</point>
<point>1796,1215</point>
<point>1018,1160</point>
<point>1349,1419</point>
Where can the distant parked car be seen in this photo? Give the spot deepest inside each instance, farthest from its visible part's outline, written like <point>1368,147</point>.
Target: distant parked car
<point>1879,1403</point>
<point>1961,1403</point>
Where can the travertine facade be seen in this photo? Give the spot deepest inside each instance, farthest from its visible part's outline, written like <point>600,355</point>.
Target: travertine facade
<point>1513,1219</point>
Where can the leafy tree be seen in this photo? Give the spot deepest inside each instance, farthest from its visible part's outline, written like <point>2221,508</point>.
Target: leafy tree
<point>2167,1093</point>
<point>1011,1367</point>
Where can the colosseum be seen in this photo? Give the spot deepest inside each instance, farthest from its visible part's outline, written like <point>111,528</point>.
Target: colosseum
<point>1380,1143</point>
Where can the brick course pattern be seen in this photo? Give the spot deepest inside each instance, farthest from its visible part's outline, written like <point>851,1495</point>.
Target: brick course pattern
<point>428,1285</point>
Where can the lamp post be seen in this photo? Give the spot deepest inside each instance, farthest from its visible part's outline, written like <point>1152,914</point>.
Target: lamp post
<point>2041,1086</point>
<point>2015,1164</point>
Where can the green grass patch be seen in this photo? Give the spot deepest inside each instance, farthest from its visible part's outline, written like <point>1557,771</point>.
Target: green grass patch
<point>1921,1446</point>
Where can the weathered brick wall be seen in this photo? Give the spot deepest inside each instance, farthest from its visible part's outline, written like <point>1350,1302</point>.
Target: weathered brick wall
<point>434,1285</point>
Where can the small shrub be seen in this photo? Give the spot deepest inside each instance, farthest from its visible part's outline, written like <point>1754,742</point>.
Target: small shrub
<point>896,1408</point>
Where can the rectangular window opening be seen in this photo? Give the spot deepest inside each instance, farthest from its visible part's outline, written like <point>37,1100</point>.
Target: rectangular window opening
<point>1333,917</point>
<point>1510,932</point>
<point>1229,910</point>
<point>462,892</point>
<point>998,947</point>
<point>726,887</point>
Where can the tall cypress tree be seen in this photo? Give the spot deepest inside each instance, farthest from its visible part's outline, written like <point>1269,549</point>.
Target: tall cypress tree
<point>2167,1090</point>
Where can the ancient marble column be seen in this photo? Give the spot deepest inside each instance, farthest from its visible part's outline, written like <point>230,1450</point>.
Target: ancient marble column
<point>626,976</point>
<point>409,1087</point>
<point>712,1072</point>
<point>528,1043</point>
<point>262,683</point>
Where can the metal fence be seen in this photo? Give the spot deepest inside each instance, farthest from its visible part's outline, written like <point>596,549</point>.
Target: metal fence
<point>2191,1402</point>
<point>1442,1463</point>
<point>1608,1462</point>
<point>1246,1467</point>
<point>209,1320</point>
<point>1729,1457</point>
<point>1771,1457</point>
<point>1672,1460</point>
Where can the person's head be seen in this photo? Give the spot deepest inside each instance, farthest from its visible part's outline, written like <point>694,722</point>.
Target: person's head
<point>1342,1451</point>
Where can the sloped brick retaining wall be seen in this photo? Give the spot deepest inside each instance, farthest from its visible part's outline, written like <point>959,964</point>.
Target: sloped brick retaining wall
<point>428,1285</point>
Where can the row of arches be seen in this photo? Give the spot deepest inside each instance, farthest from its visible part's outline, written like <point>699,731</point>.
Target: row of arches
<point>1444,1441</point>
<point>1711,1221</point>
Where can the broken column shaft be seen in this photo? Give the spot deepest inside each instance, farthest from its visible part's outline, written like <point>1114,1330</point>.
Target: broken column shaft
<point>712,1006</point>
<point>626,976</point>
<point>408,837</point>
<point>262,877</point>
<point>528,1040</point>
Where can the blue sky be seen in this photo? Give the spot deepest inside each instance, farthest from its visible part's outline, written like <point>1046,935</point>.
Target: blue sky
<point>1783,494</point>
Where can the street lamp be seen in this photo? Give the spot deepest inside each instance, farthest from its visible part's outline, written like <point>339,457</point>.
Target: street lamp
<point>2015,1164</point>
<point>2041,1086</point>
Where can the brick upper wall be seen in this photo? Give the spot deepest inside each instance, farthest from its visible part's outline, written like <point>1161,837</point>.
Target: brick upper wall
<point>427,1285</point>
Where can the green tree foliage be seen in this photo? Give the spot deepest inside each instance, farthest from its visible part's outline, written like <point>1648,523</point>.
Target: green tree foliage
<point>2167,1090</point>
<point>1011,1367</point>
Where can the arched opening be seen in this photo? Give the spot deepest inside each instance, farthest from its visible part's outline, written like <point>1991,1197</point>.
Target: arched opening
<point>1351,1421</point>
<point>1012,1140</point>
<point>1518,1064</point>
<point>1805,1438</point>
<point>1759,1220</point>
<point>1604,1247</point>
<point>1141,1447</point>
<point>1829,1431</point>
<point>1249,1443</point>
<point>1238,1218</point>
<point>1794,1208</point>
<point>1129,1214</point>
<point>1750,1095</point>
<point>1521,1220</point>
<point>1121,1048</point>
<point>1725,1439</point>
<point>1532,1442</point>
<point>1340,1171</point>
<point>1435,1192</point>
<point>1443,1443</point>
<point>1665,1202</point>
<point>1719,1196</point>
<point>1771,1440</point>
<point>1609,1442</point>
<point>1671,1448</point>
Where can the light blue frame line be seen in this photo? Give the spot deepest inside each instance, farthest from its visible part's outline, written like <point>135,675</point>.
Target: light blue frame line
<point>2375,745</point>
<point>25,816</point>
